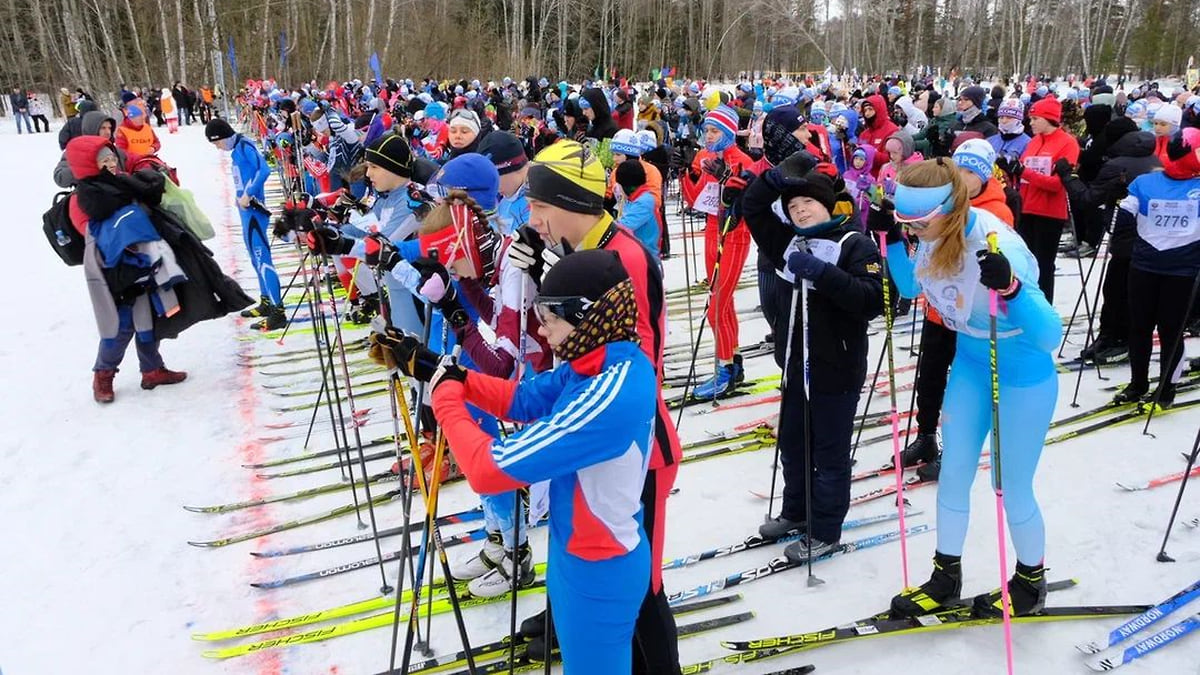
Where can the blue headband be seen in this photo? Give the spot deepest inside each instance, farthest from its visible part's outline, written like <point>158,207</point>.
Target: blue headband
<point>920,203</point>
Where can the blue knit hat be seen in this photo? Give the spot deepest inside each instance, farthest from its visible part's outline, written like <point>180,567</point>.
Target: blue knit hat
<point>474,173</point>
<point>626,143</point>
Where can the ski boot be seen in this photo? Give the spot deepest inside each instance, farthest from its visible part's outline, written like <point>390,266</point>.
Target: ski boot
<point>1026,592</point>
<point>534,626</point>
<point>779,527</point>
<point>479,564</point>
<point>1112,353</point>
<point>362,311</point>
<point>800,552</point>
<point>922,450</point>
<point>450,470</point>
<point>718,385</point>
<point>944,586</point>
<point>930,470</point>
<point>153,378</point>
<point>264,306</point>
<point>102,386</point>
<point>274,319</point>
<point>1130,393</point>
<point>1166,397</point>
<point>498,580</point>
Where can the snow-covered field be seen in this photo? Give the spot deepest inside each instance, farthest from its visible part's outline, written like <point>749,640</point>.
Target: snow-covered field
<point>98,577</point>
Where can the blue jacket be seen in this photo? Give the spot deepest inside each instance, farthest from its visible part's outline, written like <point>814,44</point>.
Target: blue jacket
<point>250,170</point>
<point>1168,224</point>
<point>641,217</point>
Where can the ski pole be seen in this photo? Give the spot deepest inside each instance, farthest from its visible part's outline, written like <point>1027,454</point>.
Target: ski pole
<point>1162,551</point>
<point>813,580</point>
<point>912,398</point>
<point>518,512</point>
<point>862,422</point>
<point>897,466</point>
<point>997,476</point>
<point>1169,372</point>
<point>1091,338</point>
<point>787,362</point>
<point>700,334</point>
<point>1083,294</point>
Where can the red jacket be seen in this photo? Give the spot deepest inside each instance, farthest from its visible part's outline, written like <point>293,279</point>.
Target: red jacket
<point>876,131</point>
<point>1043,194</point>
<point>735,160</point>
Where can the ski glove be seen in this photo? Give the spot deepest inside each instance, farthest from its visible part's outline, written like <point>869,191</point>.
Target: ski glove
<point>731,192</point>
<point>1016,169</point>
<point>995,272</point>
<point>797,164</point>
<point>381,253</point>
<point>448,370</point>
<point>329,240</point>
<point>805,265</point>
<point>715,167</point>
<point>881,217</point>
<point>397,350</point>
<point>1063,168</point>
<point>525,253</point>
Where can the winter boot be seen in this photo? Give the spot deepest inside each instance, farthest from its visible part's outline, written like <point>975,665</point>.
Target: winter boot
<point>273,319</point>
<point>264,305</point>
<point>718,385</point>
<point>924,449</point>
<point>364,310</point>
<point>102,386</point>
<point>153,378</point>
<point>799,551</point>
<point>474,566</point>
<point>944,586</point>
<point>1130,393</point>
<point>778,527</point>
<point>1026,592</point>
<point>498,580</point>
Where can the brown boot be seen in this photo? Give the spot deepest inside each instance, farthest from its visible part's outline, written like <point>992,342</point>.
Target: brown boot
<point>153,378</point>
<point>102,386</point>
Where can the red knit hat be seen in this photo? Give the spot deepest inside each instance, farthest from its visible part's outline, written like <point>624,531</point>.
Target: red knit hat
<point>1048,109</point>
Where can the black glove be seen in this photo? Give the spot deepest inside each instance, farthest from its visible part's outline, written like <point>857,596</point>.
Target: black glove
<point>797,164</point>
<point>881,217</point>
<point>329,240</point>
<point>678,156</point>
<point>731,192</point>
<point>525,253</point>
<point>296,219</point>
<point>775,178</point>
<point>1062,168</point>
<point>1016,169</point>
<point>448,370</point>
<point>381,253</point>
<point>995,273</point>
<point>1178,148</point>
<point>1004,164</point>
<point>715,167</point>
<point>397,350</point>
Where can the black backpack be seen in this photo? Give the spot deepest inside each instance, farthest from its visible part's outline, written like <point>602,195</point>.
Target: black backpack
<point>60,231</point>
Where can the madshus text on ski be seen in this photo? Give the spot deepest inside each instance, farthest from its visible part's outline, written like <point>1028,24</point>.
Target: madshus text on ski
<point>499,261</point>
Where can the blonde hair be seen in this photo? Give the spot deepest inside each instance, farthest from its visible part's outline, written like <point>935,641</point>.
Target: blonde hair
<point>947,259</point>
<point>440,216</point>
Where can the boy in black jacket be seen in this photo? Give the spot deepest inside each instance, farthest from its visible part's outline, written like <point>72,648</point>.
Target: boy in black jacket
<point>840,267</point>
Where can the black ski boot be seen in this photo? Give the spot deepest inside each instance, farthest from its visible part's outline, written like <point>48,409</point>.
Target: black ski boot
<point>1130,393</point>
<point>929,471</point>
<point>274,319</point>
<point>1026,592</point>
<point>739,373</point>
<point>924,449</point>
<point>1112,353</point>
<point>535,625</point>
<point>1166,396</point>
<point>264,306</point>
<point>944,586</point>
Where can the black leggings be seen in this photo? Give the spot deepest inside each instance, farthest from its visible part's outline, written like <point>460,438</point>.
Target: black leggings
<point>39,121</point>
<point>1041,235</point>
<point>938,345</point>
<point>1114,313</point>
<point>1156,301</point>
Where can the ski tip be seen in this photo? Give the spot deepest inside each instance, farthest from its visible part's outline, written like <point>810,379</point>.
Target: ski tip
<point>198,509</point>
<point>1088,648</point>
<point>204,544</point>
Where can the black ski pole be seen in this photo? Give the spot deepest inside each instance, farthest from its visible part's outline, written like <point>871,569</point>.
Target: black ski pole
<point>1162,551</point>
<point>1090,340</point>
<point>1167,364</point>
<point>862,422</point>
<point>787,362</point>
<point>813,580</point>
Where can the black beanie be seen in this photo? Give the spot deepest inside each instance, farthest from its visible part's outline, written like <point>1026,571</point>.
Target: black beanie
<point>975,95</point>
<point>1118,128</point>
<point>816,186</point>
<point>217,129</point>
<point>504,150</point>
<point>631,175</point>
<point>587,274</point>
<point>390,152</point>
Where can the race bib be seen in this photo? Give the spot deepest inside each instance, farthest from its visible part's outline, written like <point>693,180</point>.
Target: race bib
<point>1171,223</point>
<point>952,296</point>
<point>709,200</point>
<point>1038,164</point>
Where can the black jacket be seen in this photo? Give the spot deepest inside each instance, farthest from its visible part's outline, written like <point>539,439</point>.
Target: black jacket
<point>843,299</point>
<point>981,124</point>
<point>604,126</point>
<point>1129,156</point>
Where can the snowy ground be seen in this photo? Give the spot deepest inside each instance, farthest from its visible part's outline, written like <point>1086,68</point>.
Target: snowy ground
<point>97,574</point>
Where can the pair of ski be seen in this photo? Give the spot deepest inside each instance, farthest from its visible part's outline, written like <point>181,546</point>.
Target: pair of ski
<point>960,614</point>
<point>1107,653</point>
<point>500,648</point>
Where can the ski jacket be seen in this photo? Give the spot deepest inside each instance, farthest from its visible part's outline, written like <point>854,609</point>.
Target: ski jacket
<point>1129,156</point>
<point>877,130</point>
<point>640,214</point>
<point>1009,146</point>
<point>848,294</point>
<point>588,432</point>
<point>604,126</point>
<point>250,170</point>
<point>1042,193</point>
<point>992,200</point>
<point>1168,224</point>
<point>701,190</point>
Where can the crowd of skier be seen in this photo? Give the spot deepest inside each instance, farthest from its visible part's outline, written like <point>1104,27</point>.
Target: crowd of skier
<point>505,240</point>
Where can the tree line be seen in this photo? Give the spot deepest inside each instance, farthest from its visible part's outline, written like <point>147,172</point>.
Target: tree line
<point>99,44</point>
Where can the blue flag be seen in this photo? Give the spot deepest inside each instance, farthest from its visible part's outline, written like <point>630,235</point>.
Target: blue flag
<point>282,50</point>
<point>233,62</point>
<point>374,63</point>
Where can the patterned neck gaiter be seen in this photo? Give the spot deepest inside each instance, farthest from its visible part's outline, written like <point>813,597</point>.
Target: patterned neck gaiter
<point>612,318</point>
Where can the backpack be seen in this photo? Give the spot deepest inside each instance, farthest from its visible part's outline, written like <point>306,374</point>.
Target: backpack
<point>66,241</point>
